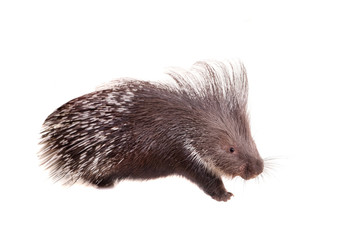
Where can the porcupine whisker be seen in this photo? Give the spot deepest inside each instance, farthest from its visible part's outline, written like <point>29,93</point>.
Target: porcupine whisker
<point>270,165</point>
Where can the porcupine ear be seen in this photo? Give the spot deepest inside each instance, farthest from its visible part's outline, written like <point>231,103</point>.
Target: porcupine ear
<point>222,82</point>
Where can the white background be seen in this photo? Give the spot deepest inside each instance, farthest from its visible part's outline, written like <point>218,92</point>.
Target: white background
<point>303,63</point>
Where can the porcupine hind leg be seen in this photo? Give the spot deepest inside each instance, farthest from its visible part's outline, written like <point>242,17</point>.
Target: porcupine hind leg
<point>103,182</point>
<point>208,182</point>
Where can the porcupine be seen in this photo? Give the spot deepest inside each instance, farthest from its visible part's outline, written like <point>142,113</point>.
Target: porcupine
<point>197,127</point>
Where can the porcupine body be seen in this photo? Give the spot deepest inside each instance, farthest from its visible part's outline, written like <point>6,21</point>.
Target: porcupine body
<point>197,128</point>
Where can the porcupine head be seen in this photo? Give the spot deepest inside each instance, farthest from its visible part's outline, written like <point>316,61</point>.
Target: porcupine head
<point>197,127</point>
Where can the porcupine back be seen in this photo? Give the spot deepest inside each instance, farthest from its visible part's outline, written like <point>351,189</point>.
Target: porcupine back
<point>114,132</point>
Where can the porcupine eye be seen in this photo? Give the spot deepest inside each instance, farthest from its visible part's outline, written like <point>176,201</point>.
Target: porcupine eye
<point>231,150</point>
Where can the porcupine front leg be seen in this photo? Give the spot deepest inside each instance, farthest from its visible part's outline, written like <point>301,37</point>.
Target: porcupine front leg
<point>208,182</point>
<point>216,189</point>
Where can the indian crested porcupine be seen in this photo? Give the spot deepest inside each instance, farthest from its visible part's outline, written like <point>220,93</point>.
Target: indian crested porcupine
<point>196,127</point>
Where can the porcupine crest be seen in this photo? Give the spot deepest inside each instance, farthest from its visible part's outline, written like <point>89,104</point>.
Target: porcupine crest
<point>130,120</point>
<point>217,93</point>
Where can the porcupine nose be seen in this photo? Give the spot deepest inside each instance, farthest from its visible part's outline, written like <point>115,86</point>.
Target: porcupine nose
<point>259,166</point>
<point>252,169</point>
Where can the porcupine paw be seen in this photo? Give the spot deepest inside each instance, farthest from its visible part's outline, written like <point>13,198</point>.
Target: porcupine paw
<point>222,196</point>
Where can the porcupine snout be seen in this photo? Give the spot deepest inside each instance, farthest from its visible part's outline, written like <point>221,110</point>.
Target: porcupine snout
<point>251,169</point>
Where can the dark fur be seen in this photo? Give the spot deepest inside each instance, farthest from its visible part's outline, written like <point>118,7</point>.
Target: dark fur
<point>198,129</point>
